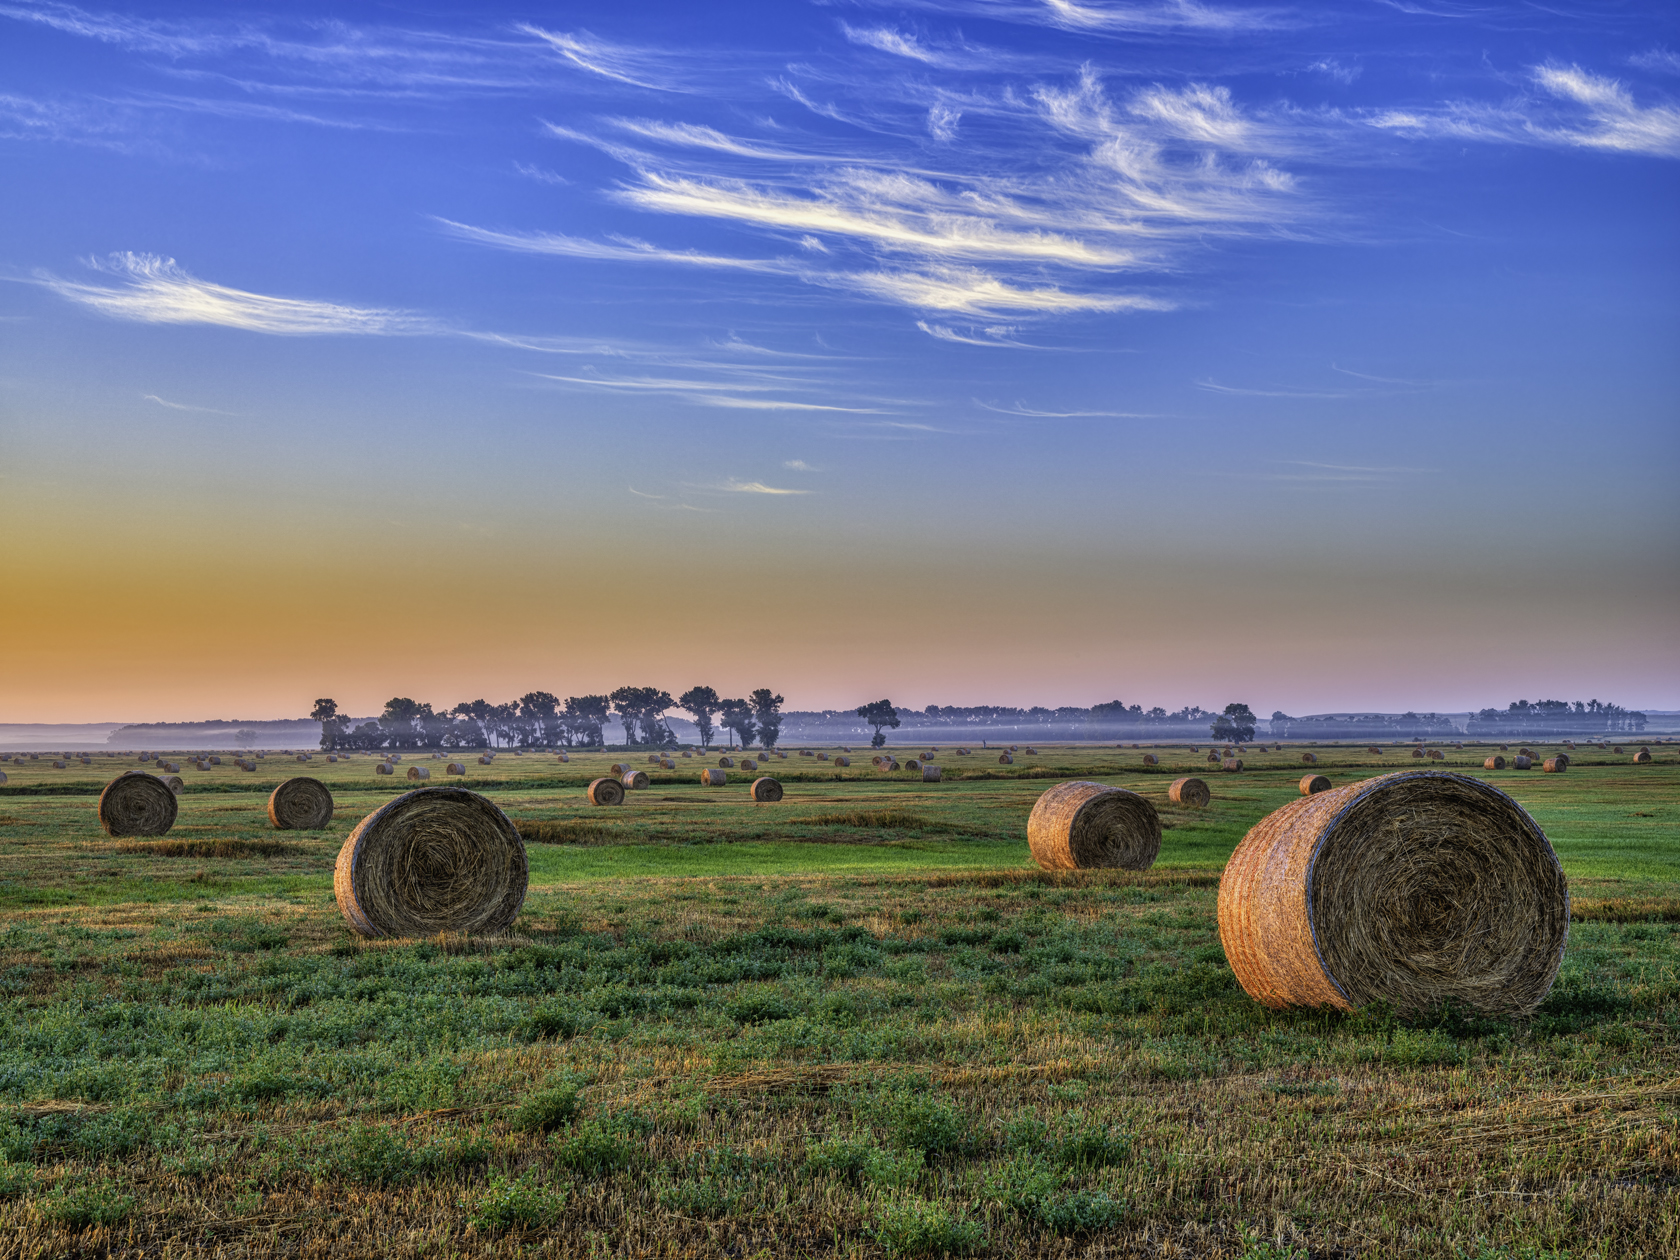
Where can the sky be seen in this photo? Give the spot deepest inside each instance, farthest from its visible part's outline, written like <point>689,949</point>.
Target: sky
<point>1318,357</point>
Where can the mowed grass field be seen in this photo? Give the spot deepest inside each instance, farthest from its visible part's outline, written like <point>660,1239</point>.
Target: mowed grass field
<point>859,1022</point>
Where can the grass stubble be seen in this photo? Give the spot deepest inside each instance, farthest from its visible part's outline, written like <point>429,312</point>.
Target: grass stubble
<point>851,1024</point>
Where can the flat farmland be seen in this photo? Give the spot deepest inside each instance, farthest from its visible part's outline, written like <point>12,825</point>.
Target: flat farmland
<point>857,1022</point>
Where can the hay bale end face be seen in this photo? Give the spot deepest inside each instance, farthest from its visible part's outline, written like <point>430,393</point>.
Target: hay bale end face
<point>1417,888</point>
<point>726,763</point>
<point>383,767</point>
<point>173,782</point>
<point>766,790</point>
<point>419,772</point>
<point>300,805</point>
<point>1189,791</point>
<point>1150,759</point>
<point>914,763</point>
<point>1641,758</point>
<point>455,767</point>
<point>1555,765</point>
<point>1312,783</point>
<point>1086,826</point>
<point>713,778</point>
<point>606,792</point>
<point>822,756</point>
<point>1495,762</point>
<point>1005,759</point>
<point>634,779</point>
<point>137,804</point>
<point>846,761</point>
<point>1231,765</point>
<point>437,859</point>
<point>1309,759</point>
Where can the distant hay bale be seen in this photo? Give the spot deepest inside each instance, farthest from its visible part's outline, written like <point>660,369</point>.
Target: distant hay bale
<point>485,761</point>
<point>332,757</point>
<point>667,764</point>
<point>931,774</point>
<point>748,765</point>
<point>890,765</point>
<point>1086,826</point>
<point>1520,762</point>
<point>1374,750</point>
<point>300,805</point>
<point>1523,752</point>
<point>1555,765</point>
<point>302,757</point>
<point>1006,759</point>
<point>455,767</point>
<point>727,763</point>
<point>654,759</point>
<point>806,752</point>
<point>1416,888</point>
<point>620,769</point>
<point>437,859</point>
<point>1313,783</point>
<point>1031,752</point>
<point>562,758</point>
<point>766,790</point>
<point>606,792</point>
<point>1563,761</point>
<point>1617,750</point>
<point>822,756</point>
<point>876,760</point>
<point>1418,753</point>
<point>713,778</point>
<point>1231,765</point>
<point>846,761</point>
<point>59,765</point>
<point>634,779</point>
<point>174,782</point>
<point>1641,758</point>
<point>1150,759</point>
<point>686,753</point>
<point>137,804</point>
<point>1494,762</point>
<point>913,764</point>
<point>1213,758</point>
<point>1435,754</point>
<point>1309,759</point>
<point>419,772</point>
<point>215,761</point>
<point>1189,791</point>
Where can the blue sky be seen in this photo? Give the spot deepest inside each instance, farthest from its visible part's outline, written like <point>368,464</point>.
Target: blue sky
<point>1322,354</point>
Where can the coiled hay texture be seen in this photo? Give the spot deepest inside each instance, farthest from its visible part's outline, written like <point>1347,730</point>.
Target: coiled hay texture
<point>1082,826</point>
<point>634,779</point>
<point>486,760</point>
<point>913,763</point>
<point>1520,762</point>
<point>1150,759</point>
<point>173,782</point>
<point>1494,762</point>
<point>749,765</point>
<point>437,859</point>
<point>667,764</point>
<point>1563,761</point>
<point>455,767</point>
<point>823,757</point>
<point>1417,888</point>
<point>1309,759</point>
<point>713,778</point>
<point>1555,765</point>
<point>1231,765</point>
<point>1192,792</point>
<point>382,767</point>
<point>766,789</point>
<point>137,804</point>
<point>620,769</point>
<point>300,805</point>
<point>563,759</point>
<point>728,763</point>
<point>419,772</point>
<point>890,765</point>
<point>606,792</point>
<point>1641,758</point>
<point>1313,783</point>
<point>1004,759</point>
<point>846,761</point>
<point>1374,749</point>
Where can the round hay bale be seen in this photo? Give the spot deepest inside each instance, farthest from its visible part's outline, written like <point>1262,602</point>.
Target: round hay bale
<point>1641,758</point>
<point>1418,753</point>
<point>890,765</point>
<point>1006,759</point>
<point>137,804</point>
<point>1312,783</point>
<point>563,759</point>
<point>667,764</point>
<point>1213,758</point>
<point>2,776</point>
<point>748,766</point>
<point>215,761</point>
<point>455,767</point>
<point>1523,752</point>
<point>419,772</point>
<point>1189,792</point>
<point>727,763</point>
<point>1435,754</point>
<point>1495,762</point>
<point>713,778</point>
<point>1563,760</point>
<point>766,790</point>
<point>606,792</point>
<point>846,761</point>
<point>383,767</point>
<point>1309,759</point>
<point>59,765</point>
<point>1504,748</point>
<point>1374,749</point>
<point>301,757</point>
<point>686,753</point>
<point>1417,888</point>
<point>1231,765</point>
<point>634,779</point>
<point>1617,750</point>
<point>484,760</point>
<point>332,757</point>
<point>437,859</point>
<point>174,782</point>
<point>620,768</point>
<point>931,774</point>
<point>1555,765</point>
<point>1150,759</point>
<point>300,805</point>
<point>1031,752</point>
<point>823,757</point>
<point>913,764</point>
<point>1520,762</point>
<point>1083,826</point>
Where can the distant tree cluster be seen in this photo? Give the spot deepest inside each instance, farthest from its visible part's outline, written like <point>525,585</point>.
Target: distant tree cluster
<point>1556,717</point>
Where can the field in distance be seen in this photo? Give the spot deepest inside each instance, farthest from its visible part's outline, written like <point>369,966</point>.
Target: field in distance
<point>857,1022</point>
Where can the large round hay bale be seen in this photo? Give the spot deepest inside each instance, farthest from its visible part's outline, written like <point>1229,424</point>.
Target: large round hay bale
<point>1189,792</point>
<point>686,753</point>
<point>437,859</point>
<point>766,790</point>
<point>1617,750</point>
<point>60,765</point>
<point>1435,754</point>
<point>300,805</point>
<point>137,804</point>
<point>455,767</point>
<point>1005,759</point>
<point>419,772</point>
<point>890,765</point>
<point>1555,765</point>
<point>1150,759</point>
<point>606,792</point>
<point>1641,758</point>
<point>1520,762</point>
<point>634,779</point>
<point>713,778</point>
<point>1314,783</point>
<point>876,760</point>
<point>931,774</point>
<point>1495,762</point>
<point>302,757</point>
<point>1416,888</point>
<point>1082,826</point>
<point>1523,752</point>
<point>1031,752</point>
<point>846,761</point>
<point>726,763</point>
<point>1309,759</point>
<point>1213,758</point>
<point>383,767</point>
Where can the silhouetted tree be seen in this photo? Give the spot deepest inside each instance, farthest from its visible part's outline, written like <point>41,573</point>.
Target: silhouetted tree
<point>738,717</point>
<point>584,716</point>
<point>767,708</point>
<point>878,714</point>
<point>332,726</point>
<point>1235,725</point>
<point>700,703</point>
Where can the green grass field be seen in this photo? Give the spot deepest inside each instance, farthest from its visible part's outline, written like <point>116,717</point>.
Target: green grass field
<point>859,1022</point>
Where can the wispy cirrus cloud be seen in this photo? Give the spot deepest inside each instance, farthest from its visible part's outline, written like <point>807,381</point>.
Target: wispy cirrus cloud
<point>155,290</point>
<point>623,63</point>
<point>1213,387</point>
<point>733,486</point>
<point>181,406</point>
<point>619,249</point>
<point>1033,413</point>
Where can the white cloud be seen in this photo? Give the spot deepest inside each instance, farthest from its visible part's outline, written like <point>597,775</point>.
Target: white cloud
<point>624,249</point>
<point>178,406</point>
<point>752,487</point>
<point>156,291</point>
<point>798,465</point>
<point>885,40</point>
<point>974,292</point>
<point>635,66</point>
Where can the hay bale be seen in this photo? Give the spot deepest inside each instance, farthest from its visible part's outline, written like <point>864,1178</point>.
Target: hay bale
<point>300,805</point>
<point>1309,759</point>
<point>419,772</point>
<point>1618,750</point>
<point>1641,758</point>
<point>59,765</point>
<point>1312,783</point>
<point>302,757</point>
<point>1495,762</point>
<point>174,782</point>
<point>748,765</point>
<point>383,767</point>
<point>169,767</point>
<point>331,757</point>
<point>766,790</point>
<point>890,765</point>
<point>1555,765</point>
<point>1192,792</point>
<point>606,792</point>
<point>1523,752</point>
<point>1213,758</point>
<point>1150,759</point>
<point>1031,752</point>
<point>455,767</point>
<point>1374,750</point>
<point>137,804</point>
<point>1417,888</point>
<point>1520,762</point>
<point>1418,753</point>
<point>1435,754</point>
<point>846,761</point>
<point>634,779</point>
<point>667,764</point>
<point>727,763</point>
<point>437,859</point>
<point>1231,765</point>
<point>1006,759</point>
<point>564,759</point>
<point>822,756</point>
<point>1083,826</point>
<point>1563,761</point>
<point>713,778</point>
<point>913,764</point>
<point>686,753</point>
<point>931,774</point>
<point>484,761</point>
<point>620,769</point>
<point>215,761</point>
